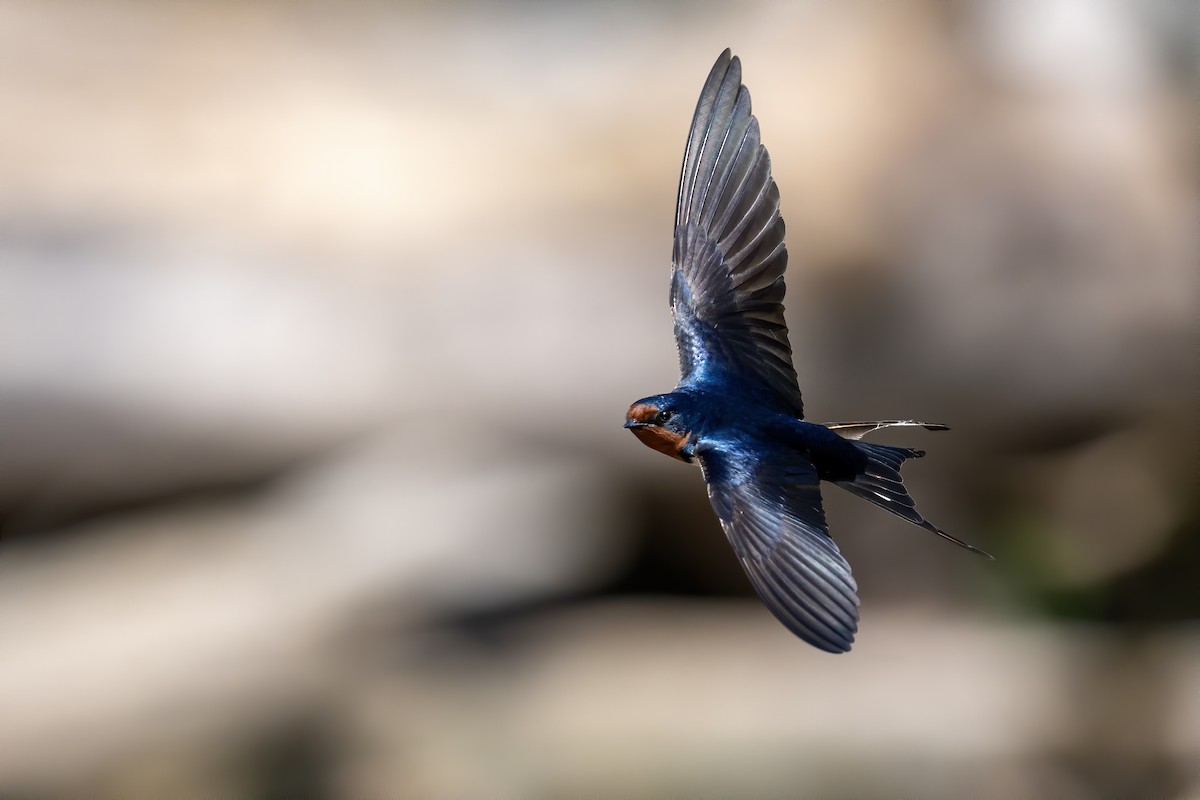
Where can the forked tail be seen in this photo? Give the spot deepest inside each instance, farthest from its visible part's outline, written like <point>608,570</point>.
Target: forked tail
<point>880,482</point>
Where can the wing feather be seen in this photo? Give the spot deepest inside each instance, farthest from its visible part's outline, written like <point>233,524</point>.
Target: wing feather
<point>729,254</point>
<point>775,523</point>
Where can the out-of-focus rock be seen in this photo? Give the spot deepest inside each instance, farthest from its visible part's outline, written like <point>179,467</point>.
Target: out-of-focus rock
<point>199,621</point>
<point>128,371</point>
<point>714,703</point>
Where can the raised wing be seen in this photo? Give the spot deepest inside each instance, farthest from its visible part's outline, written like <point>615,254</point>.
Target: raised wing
<point>773,517</point>
<point>728,258</point>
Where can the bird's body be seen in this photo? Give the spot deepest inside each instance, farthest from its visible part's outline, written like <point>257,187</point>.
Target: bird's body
<point>741,424</point>
<point>737,410</point>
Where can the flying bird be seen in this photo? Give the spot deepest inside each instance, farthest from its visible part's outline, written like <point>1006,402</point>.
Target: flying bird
<point>737,410</point>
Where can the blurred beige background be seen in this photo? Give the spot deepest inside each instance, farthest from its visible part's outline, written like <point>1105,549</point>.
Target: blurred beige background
<point>318,323</point>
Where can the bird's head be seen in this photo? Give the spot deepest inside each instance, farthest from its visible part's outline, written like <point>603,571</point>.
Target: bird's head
<point>663,423</point>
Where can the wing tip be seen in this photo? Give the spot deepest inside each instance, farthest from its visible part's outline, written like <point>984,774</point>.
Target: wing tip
<point>726,63</point>
<point>805,616</point>
<point>824,644</point>
<point>835,649</point>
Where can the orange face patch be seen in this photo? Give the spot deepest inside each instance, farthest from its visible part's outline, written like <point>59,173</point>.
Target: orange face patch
<point>642,412</point>
<point>662,440</point>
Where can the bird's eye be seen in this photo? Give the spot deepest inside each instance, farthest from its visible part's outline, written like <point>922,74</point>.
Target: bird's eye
<point>664,417</point>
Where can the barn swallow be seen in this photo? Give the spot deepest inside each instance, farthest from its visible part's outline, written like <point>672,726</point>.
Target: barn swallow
<point>737,410</point>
